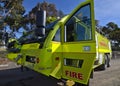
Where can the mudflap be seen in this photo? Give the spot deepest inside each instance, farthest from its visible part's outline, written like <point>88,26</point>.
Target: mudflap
<point>78,67</point>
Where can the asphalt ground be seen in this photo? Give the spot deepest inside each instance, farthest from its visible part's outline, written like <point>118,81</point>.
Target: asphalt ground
<point>11,75</point>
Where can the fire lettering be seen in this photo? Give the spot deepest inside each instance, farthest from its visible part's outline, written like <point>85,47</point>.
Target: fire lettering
<point>74,75</point>
<point>103,44</point>
<point>80,76</point>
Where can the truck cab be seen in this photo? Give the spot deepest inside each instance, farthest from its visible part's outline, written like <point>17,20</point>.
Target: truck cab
<point>67,50</point>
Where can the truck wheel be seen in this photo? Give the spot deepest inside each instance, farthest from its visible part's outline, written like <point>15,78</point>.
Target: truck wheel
<point>108,62</point>
<point>104,65</point>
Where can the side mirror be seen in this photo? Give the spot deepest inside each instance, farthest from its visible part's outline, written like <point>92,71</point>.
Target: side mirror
<point>40,32</point>
<point>40,22</point>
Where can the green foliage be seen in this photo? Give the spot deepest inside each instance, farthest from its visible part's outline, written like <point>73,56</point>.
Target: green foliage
<point>115,35</point>
<point>112,31</point>
<point>14,23</point>
<point>51,12</point>
<point>13,13</point>
<point>112,25</point>
<point>106,30</point>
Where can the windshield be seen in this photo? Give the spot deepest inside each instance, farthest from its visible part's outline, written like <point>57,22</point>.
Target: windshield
<point>31,37</point>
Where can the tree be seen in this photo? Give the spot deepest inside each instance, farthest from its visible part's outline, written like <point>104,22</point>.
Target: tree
<point>11,15</point>
<point>13,12</point>
<point>14,15</point>
<point>112,31</point>
<point>112,25</point>
<point>51,12</point>
<point>1,17</point>
<point>106,31</point>
<point>115,35</point>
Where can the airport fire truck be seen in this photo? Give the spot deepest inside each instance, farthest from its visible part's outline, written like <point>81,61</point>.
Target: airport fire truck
<point>69,48</point>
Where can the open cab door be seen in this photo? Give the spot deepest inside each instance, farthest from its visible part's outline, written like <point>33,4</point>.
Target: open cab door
<point>79,47</point>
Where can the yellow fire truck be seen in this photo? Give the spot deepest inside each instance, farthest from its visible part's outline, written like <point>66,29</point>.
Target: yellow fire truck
<point>69,48</point>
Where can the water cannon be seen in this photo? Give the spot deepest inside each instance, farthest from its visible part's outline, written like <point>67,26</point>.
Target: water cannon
<point>40,21</point>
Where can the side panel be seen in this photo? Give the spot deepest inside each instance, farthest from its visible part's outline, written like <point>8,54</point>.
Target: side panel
<point>56,59</point>
<point>103,47</point>
<point>37,59</point>
<point>103,44</point>
<point>78,61</point>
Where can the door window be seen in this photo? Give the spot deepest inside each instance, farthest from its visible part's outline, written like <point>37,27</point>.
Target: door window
<point>78,28</point>
<point>57,36</point>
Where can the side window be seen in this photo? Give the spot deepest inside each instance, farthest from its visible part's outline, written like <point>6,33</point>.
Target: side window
<point>57,36</point>
<point>78,28</point>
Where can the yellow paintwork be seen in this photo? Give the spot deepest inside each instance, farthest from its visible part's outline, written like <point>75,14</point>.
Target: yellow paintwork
<point>103,44</point>
<point>31,46</point>
<point>12,56</point>
<point>52,57</point>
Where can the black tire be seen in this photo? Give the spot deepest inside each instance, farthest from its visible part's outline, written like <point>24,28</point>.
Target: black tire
<point>105,64</point>
<point>108,60</point>
<point>102,67</point>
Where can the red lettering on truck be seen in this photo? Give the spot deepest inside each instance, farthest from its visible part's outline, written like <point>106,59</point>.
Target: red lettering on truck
<point>103,44</point>
<point>74,75</point>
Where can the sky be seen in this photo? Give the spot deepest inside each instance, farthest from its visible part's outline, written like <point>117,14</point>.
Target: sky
<point>105,10</point>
